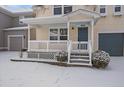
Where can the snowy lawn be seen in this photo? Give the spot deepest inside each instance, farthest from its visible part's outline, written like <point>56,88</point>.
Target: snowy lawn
<point>40,74</point>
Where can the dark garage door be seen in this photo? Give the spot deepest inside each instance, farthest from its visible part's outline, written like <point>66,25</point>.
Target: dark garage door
<point>112,43</point>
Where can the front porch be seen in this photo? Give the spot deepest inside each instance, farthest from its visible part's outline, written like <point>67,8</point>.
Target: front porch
<point>62,33</point>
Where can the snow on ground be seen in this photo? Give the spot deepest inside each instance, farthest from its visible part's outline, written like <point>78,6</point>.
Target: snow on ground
<point>27,74</point>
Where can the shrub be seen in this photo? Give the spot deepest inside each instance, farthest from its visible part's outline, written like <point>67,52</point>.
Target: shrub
<point>62,56</point>
<point>100,59</point>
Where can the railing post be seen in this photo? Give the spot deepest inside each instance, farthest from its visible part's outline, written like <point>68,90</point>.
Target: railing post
<point>47,46</point>
<point>90,52</point>
<point>69,51</point>
<point>28,37</point>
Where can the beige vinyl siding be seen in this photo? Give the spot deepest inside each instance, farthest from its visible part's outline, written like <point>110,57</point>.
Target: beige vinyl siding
<point>47,10</point>
<point>42,33</point>
<point>44,11</point>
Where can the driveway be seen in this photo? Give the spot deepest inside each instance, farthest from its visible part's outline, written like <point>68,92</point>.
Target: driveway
<point>28,74</point>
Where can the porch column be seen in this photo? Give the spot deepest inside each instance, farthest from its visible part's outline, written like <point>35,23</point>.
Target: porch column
<point>92,33</point>
<point>28,37</point>
<point>68,24</point>
<point>68,46</point>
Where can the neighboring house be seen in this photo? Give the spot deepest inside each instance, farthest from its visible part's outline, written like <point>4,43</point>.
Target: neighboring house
<point>13,33</point>
<point>78,30</point>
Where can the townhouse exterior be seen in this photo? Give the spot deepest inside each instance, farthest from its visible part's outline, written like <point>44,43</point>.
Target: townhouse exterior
<point>78,29</point>
<point>13,33</point>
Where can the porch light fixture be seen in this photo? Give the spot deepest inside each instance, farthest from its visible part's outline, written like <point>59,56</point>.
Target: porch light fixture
<point>72,28</point>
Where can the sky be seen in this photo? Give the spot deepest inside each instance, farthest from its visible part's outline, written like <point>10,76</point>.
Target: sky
<point>18,8</point>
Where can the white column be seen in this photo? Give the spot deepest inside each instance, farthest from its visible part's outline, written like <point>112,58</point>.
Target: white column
<point>92,33</point>
<point>28,37</point>
<point>68,44</point>
<point>68,24</point>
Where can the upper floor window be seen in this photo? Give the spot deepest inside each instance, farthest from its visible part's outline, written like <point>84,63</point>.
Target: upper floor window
<point>67,9</point>
<point>117,8</point>
<point>62,9</point>
<point>103,10</point>
<point>20,22</point>
<point>57,9</point>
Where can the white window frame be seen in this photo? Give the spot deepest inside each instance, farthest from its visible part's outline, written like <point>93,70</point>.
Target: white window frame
<point>62,10</point>
<point>103,14</point>
<point>117,13</point>
<point>63,35</point>
<point>55,35</point>
<point>66,6</point>
<point>57,14</point>
<point>58,33</point>
<point>21,17</point>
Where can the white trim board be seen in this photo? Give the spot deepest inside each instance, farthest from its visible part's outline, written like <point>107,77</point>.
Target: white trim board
<point>108,31</point>
<point>9,36</point>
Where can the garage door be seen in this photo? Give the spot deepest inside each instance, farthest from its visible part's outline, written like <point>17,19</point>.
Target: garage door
<point>112,43</point>
<point>15,43</point>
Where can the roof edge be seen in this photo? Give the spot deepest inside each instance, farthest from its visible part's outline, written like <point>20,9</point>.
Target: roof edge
<point>9,13</point>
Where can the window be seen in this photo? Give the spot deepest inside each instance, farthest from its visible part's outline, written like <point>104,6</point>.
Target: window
<point>117,8</point>
<point>102,10</point>
<point>20,22</point>
<point>57,9</point>
<point>62,9</point>
<point>58,34</point>
<point>53,34</point>
<point>67,9</point>
<point>63,34</point>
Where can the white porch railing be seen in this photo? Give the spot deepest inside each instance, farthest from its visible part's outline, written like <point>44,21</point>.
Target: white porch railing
<point>79,46</point>
<point>55,46</point>
<point>44,45</point>
<point>51,46</point>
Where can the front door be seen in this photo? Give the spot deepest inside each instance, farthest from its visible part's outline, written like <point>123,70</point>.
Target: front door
<point>82,36</point>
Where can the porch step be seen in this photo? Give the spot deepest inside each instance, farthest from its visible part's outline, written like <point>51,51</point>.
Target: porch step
<point>81,57</point>
<point>78,60</point>
<point>80,52</point>
<point>83,64</point>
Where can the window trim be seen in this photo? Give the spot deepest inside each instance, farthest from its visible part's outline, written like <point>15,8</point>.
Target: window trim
<point>57,14</point>
<point>66,7</point>
<point>103,14</point>
<point>58,33</point>
<point>62,10</point>
<point>117,13</point>
<point>54,35</point>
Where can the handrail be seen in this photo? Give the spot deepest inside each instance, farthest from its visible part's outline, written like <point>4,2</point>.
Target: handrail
<point>69,51</point>
<point>47,41</point>
<point>90,52</point>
